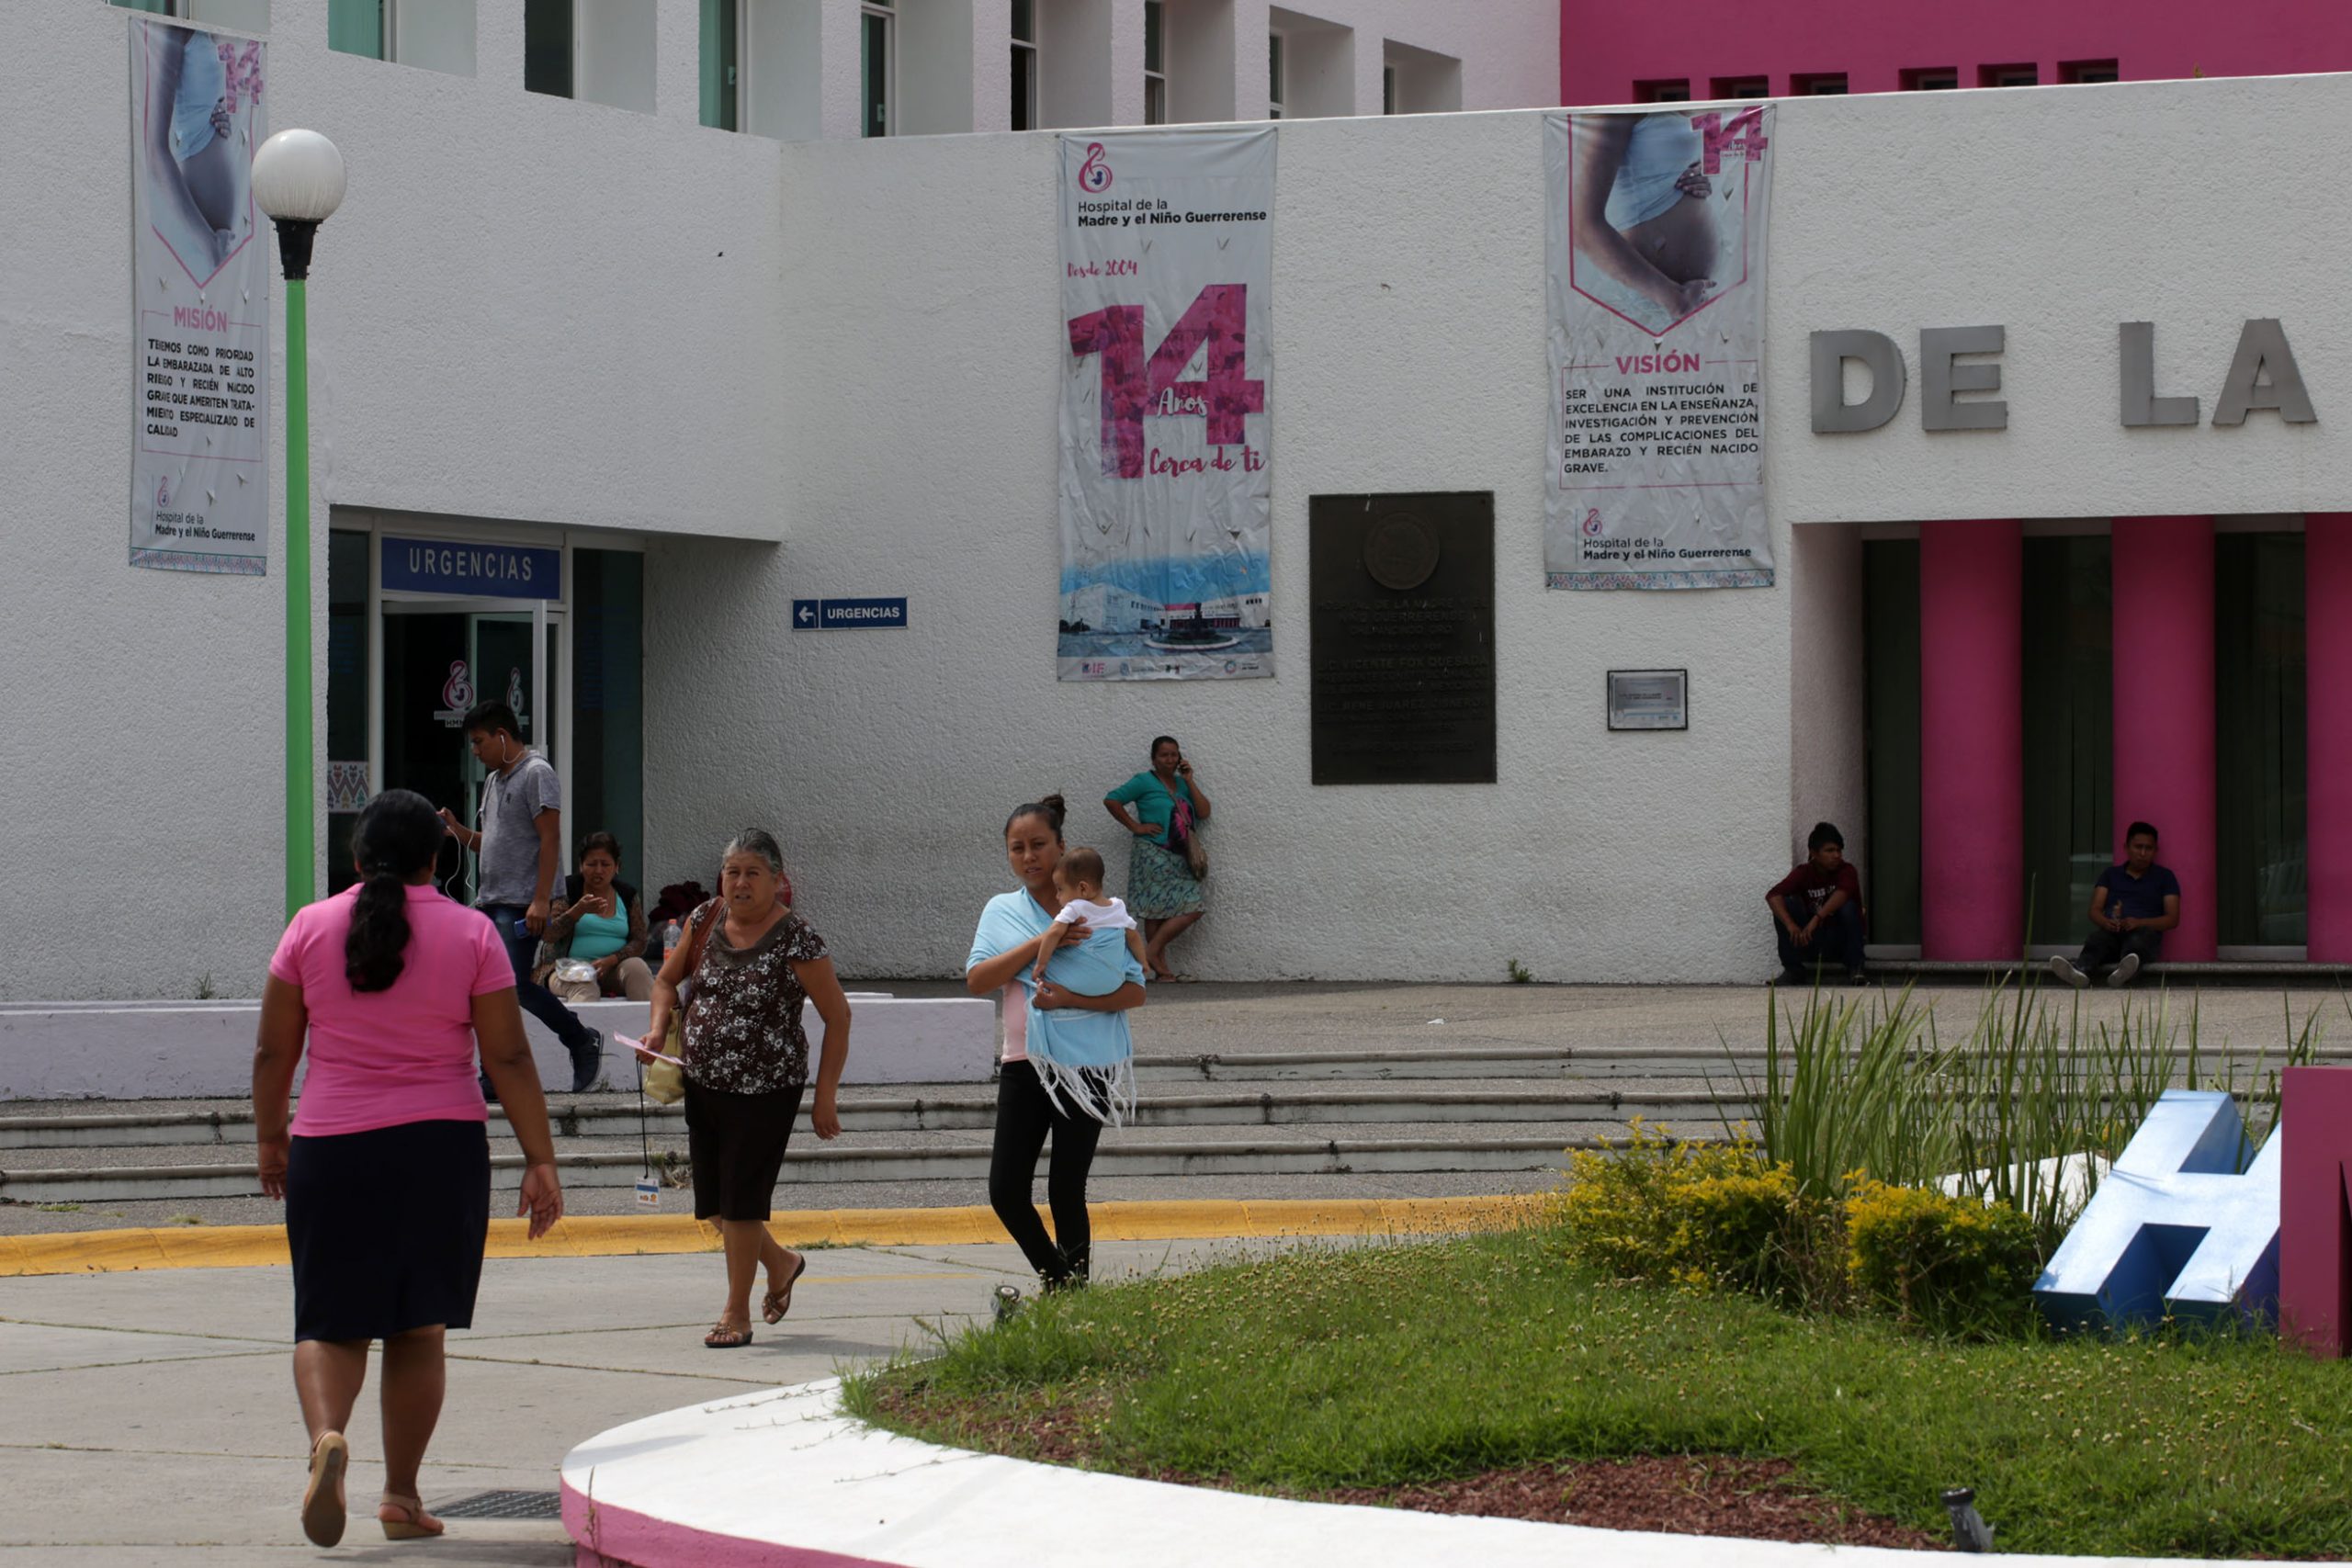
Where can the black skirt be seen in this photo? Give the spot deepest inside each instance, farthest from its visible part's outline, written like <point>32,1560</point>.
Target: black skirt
<point>735,1143</point>
<point>387,1228</point>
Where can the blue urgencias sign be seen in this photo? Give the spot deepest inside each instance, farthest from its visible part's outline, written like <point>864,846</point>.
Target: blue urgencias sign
<point>2182,1225</point>
<point>475,570</point>
<point>841,614</point>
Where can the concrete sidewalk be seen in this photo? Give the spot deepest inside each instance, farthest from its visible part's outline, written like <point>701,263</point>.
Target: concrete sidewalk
<point>150,1417</point>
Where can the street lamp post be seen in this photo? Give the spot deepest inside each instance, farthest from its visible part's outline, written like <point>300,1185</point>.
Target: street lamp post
<point>297,179</point>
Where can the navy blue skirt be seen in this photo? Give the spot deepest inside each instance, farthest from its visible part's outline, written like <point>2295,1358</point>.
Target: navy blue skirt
<point>387,1228</point>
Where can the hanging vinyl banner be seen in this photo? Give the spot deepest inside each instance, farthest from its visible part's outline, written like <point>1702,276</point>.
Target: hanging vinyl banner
<point>199,304</point>
<point>1656,242</point>
<point>1166,485</point>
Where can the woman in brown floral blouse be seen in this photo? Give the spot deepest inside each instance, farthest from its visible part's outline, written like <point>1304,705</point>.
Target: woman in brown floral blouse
<point>753,963</point>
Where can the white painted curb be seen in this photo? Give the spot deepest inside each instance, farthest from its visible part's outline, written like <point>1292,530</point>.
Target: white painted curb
<point>783,1477</point>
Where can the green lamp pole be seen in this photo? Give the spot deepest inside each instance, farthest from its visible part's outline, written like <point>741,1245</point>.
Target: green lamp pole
<point>297,179</point>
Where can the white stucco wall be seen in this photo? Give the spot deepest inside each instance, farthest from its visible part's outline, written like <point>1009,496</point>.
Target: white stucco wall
<point>528,309</point>
<point>1408,353</point>
<point>533,309</point>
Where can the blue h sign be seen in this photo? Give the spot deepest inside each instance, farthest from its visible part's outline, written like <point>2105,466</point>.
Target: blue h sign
<point>2174,1227</point>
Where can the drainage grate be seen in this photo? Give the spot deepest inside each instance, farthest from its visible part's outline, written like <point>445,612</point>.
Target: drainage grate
<point>503,1505</point>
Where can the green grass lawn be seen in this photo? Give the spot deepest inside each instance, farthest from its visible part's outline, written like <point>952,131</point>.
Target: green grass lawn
<point>1381,1366</point>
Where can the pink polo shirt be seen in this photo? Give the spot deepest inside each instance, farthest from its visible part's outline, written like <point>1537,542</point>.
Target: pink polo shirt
<point>380,1058</point>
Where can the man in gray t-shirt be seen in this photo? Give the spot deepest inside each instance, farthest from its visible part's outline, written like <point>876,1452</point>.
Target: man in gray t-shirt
<point>521,848</point>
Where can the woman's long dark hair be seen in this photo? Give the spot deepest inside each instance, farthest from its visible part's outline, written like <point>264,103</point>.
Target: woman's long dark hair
<point>398,835</point>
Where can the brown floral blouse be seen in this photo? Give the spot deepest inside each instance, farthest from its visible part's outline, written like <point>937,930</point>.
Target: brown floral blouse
<point>744,1032</point>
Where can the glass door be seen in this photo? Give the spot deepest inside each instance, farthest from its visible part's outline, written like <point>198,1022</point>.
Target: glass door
<point>441,657</point>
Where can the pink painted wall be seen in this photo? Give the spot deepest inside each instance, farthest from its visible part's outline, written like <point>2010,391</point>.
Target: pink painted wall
<point>1971,739</point>
<point>2164,710</point>
<point>2327,653</point>
<point>1604,49</point>
<point>2315,1208</point>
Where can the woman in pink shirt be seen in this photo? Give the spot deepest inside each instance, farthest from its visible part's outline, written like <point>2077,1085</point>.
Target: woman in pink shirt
<point>385,1173</point>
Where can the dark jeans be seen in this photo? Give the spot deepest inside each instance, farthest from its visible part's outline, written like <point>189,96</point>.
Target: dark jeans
<point>537,1000</point>
<point>1023,1117</point>
<point>1838,942</point>
<point>2104,949</point>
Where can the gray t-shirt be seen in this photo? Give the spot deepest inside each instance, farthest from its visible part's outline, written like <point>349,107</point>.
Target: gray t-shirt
<point>510,834</point>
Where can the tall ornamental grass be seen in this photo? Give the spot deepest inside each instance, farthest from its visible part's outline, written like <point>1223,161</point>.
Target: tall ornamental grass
<point>2026,1111</point>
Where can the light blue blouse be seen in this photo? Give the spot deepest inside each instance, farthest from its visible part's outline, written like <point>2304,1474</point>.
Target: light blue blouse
<point>1088,970</point>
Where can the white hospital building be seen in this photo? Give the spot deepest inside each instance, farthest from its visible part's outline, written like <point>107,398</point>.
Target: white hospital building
<point>729,305</point>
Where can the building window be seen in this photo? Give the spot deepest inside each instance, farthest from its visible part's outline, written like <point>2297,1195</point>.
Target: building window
<point>1821,84</point>
<point>548,41</point>
<point>1931,79</point>
<point>1743,87</point>
<point>238,15</point>
<point>359,27</point>
<point>1273,76</point>
<point>879,56</point>
<point>1669,90</point>
<point>722,64</point>
<point>2007,76</point>
<point>437,35</point>
<point>1388,89</point>
<point>1155,63</point>
<point>1025,64</point>
<point>2085,71</point>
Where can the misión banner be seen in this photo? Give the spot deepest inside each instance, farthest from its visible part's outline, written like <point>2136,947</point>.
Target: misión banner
<point>1167,484</point>
<point>200,305</point>
<point>1656,244</point>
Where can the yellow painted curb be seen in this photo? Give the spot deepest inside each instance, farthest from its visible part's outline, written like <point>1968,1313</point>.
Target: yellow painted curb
<point>624,1235</point>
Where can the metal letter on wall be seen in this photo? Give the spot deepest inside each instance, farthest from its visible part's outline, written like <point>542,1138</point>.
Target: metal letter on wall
<point>199,303</point>
<point>1832,415</point>
<point>1940,378</point>
<point>1402,660</point>
<point>2181,1226</point>
<point>1655,247</point>
<point>2263,346</point>
<point>2141,407</point>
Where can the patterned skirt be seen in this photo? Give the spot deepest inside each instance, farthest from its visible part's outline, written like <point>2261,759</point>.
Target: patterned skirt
<point>1160,882</point>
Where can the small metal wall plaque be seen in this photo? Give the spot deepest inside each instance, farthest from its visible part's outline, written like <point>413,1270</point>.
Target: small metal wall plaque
<point>1649,699</point>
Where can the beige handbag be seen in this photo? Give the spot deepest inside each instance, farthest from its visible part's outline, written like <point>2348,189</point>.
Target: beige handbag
<point>664,1081</point>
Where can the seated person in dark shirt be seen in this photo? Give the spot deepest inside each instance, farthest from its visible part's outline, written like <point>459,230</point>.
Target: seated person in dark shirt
<point>1817,912</point>
<point>2132,908</point>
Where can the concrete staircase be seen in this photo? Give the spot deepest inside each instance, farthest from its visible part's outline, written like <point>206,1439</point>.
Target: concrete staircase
<point>1474,1107</point>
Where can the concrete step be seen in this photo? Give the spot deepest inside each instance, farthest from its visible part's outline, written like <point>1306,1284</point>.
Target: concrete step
<point>953,1157</point>
<point>954,1108</point>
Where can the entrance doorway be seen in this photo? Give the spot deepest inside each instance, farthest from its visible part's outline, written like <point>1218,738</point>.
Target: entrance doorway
<point>439,662</point>
<point>420,630</point>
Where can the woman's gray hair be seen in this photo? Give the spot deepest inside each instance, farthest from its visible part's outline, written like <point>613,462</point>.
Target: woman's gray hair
<point>756,841</point>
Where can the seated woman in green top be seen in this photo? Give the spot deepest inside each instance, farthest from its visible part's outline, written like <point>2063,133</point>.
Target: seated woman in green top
<point>603,925</point>
<point>1167,803</point>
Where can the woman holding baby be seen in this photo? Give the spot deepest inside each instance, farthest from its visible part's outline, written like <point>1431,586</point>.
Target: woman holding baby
<point>1068,1067</point>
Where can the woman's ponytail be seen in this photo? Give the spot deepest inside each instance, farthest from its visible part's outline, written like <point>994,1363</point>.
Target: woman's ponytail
<point>397,835</point>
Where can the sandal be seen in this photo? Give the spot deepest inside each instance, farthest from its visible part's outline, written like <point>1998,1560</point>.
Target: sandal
<point>776,1302</point>
<point>722,1338</point>
<point>322,1506</point>
<point>418,1526</point>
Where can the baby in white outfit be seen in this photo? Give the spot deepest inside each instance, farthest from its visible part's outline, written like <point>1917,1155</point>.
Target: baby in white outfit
<point>1079,879</point>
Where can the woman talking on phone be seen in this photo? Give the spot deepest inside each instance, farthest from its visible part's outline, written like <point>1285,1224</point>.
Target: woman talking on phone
<point>385,1171</point>
<point>1160,809</point>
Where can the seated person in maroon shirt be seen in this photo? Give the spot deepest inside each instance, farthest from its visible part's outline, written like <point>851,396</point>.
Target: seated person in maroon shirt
<point>1817,912</point>
<point>2132,908</point>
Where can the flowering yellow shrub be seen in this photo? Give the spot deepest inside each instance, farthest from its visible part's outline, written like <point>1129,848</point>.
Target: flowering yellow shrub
<point>1950,1264</point>
<point>1722,1217</point>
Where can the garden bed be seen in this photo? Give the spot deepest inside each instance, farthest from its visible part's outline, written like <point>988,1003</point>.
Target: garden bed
<point>1493,1375</point>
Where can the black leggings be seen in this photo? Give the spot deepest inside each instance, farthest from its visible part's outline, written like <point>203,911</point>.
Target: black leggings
<point>1023,1117</point>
